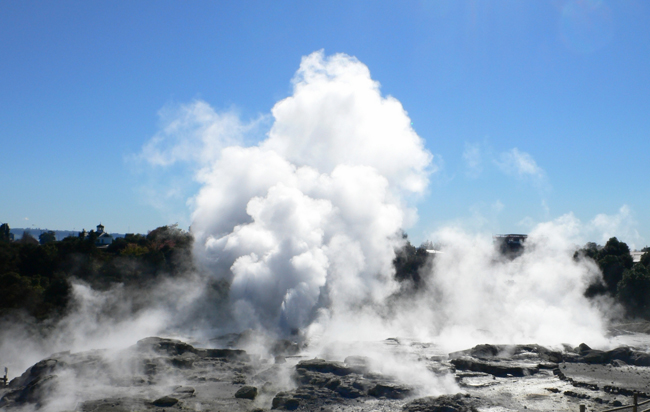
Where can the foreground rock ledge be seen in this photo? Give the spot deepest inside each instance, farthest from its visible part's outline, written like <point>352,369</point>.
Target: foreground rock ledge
<point>159,373</point>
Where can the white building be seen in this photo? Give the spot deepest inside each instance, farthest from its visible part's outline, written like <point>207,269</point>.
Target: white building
<point>103,238</point>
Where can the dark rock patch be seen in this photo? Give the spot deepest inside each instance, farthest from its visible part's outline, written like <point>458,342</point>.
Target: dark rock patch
<point>247,392</point>
<point>228,354</point>
<point>165,402</point>
<point>496,368</point>
<point>170,347</point>
<point>324,366</point>
<point>622,354</point>
<point>113,405</point>
<point>445,403</point>
<point>490,352</point>
<point>390,391</point>
<point>284,401</point>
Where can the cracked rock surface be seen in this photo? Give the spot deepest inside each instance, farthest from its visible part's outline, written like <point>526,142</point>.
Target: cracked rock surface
<point>166,374</point>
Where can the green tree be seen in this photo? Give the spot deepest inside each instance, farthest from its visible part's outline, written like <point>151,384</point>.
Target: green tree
<point>590,250</point>
<point>28,239</point>
<point>17,292</point>
<point>634,291</point>
<point>645,259</point>
<point>614,247</point>
<point>92,237</point>
<point>612,268</point>
<point>612,259</point>
<point>47,237</point>
<point>409,261</point>
<point>4,233</point>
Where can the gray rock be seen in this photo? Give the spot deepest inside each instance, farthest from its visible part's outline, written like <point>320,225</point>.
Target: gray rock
<point>284,401</point>
<point>114,405</point>
<point>390,391</point>
<point>247,392</point>
<point>227,354</point>
<point>165,402</point>
<point>348,391</point>
<point>445,403</point>
<point>500,369</point>
<point>170,347</point>
<point>38,370</point>
<point>324,366</point>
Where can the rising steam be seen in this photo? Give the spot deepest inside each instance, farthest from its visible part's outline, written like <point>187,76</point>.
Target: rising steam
<point>303,227</point>
<point>309,217</point>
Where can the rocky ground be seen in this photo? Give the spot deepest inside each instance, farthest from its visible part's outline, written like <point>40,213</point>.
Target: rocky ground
<point>164,374</point>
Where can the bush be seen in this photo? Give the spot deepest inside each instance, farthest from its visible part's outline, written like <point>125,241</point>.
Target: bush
<point>645,259</point>
<point>634,291</point>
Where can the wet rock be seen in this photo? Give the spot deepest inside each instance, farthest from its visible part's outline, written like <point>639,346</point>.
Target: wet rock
<point>39,370</point>
<point>247,392</point>
<point>284,401</point>
<point>595,356</point>
<point>576,395</point>
<point>349,391</point>
<point>170,347</point>
<point>582,349</point>
<point>484,351</point>
<point>324,366</point>
<point>35,392</point>
<point>333,383</point>
<point>624,354</point>
<point>165,402</point>
<point>547,365</point>
<point>390,391</point>
<point>445,403</point>
<point>489,352</point>
<point>114,405</point>
<point>149,368</point>
<point>500,369</point>
<point>239,379</point>
<point>185,361</point>
<point>227,354</point>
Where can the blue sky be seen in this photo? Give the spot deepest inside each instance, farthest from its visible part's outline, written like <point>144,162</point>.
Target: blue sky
<point>532,109</point>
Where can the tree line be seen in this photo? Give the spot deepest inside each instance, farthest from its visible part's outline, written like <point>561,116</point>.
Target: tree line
<point>35,275</point>
<point>623,280</point>
<point>626,282</point>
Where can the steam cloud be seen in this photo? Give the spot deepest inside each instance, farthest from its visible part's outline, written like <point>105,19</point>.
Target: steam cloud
<point>311,213</point>
<point>302,227</point>
<point>304,224</point>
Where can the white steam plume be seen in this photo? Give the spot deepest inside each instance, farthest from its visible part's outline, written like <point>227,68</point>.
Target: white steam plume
<point>312,212</point>
<point>303,227</point>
